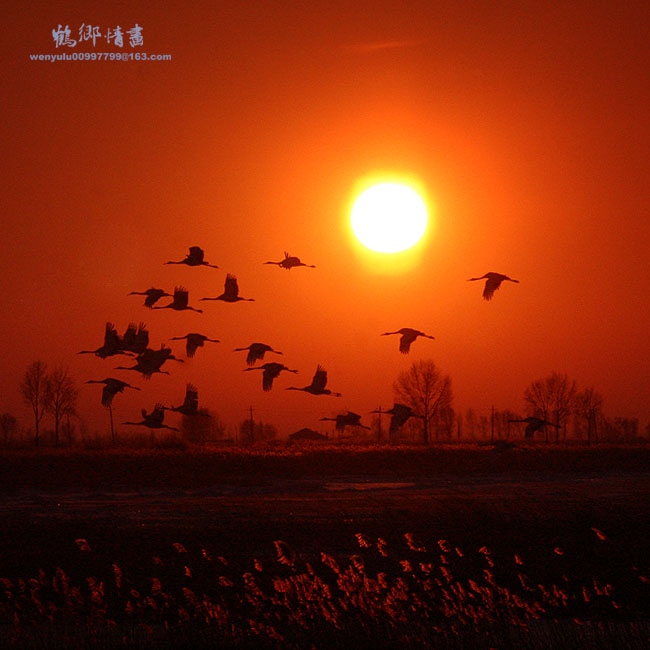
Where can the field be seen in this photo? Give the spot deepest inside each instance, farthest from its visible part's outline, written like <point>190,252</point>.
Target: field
<point>450,547</point>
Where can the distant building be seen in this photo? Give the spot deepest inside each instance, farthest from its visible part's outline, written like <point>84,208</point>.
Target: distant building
<point>307,435</point>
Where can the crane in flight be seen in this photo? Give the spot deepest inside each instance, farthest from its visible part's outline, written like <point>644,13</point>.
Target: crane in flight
<point>408,336</point>
<point>256,352</point>
<point>153,420</point>
<point>195,258</point>
<point>271,371</point>
<point>290,262</point>
<point>180,301</point>
<point>348,419</point>
<point>150,362</point>
<point>111,388</point>
<point>318,383</point>
<point>493,282</point>
<point>230,291</point>
<point>153,296</point>
<point>190,405</point>
<point>135,339</point>
<point>194,341</point>
<point>111,346</point>
<point>400,413</point>
<point>533,425</point>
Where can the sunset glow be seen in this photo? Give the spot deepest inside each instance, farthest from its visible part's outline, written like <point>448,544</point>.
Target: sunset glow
<point>389,218</point>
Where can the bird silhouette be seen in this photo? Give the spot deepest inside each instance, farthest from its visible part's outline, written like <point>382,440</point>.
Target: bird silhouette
<point>153,420</point>
<point>290,261</point>
<point>194,341</point>
<point>408,336</point>
<point>111,388</point>
<point>190,405</point>
<point>348,419</point>
<point>318,383</point>
<point>135,339</point>
<point>111,345</point>
<point>533,425</point>
<point>180,301</point>
<point>493,282</point>
<point>153,296</point>
<point>230,292</point>
<point>400,413</point>
<point>194,258</point>
<point>150,362</point>
<point>256,352</point>
<point>271,371</point>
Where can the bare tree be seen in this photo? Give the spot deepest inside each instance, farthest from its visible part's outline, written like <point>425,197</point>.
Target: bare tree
<point>7,427</point>
<point>426,390</point>
<point>552,397</point>
<point>589,405</point>
<point>62,395</point>
<point>261,431</point>
<point>35,393</point>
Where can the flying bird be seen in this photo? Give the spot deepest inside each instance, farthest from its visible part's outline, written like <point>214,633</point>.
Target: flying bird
<point>111,345</point>
<point>111,388</point>
<point>194,258</point>
<point>153,420</point>
<point>190,405</point>
<point>271,371</point>
<point>230,292</point>
<point>150,362</point>
<point>400,413</point>
<point>408,336</point>
<point>256,352</point>
<point>153,296</point>
<point>135,339</point>
<point>290,261</point>
<point>493,282</point>
<point>194,341</point>
<point>533,425</point>
<point>348,419</point>
<point>318,383</point>
<point>180,301</point>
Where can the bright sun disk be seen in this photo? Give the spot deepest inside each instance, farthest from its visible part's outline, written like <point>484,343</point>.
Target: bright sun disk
<point>389,217</point>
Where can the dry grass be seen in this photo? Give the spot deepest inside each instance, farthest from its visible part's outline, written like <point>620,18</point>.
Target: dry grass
<point>418,593</point>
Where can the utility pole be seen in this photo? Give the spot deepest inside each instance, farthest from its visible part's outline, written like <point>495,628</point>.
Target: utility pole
<point>379,426</point>
<point>110,411</point>
<point>492,425</point>
<point>252,424</point>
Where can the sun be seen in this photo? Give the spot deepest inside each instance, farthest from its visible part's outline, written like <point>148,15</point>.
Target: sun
<point>389,217</point>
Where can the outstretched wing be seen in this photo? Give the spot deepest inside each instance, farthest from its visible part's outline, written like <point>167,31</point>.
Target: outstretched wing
<point>157,415</point>
<point>320,378</point>
<point>191,397</point>
<point>129,337</point>
<point>405,341</point>
<point>196,255</point>
<point>141,339</point>
<point>231,289</point>
<point>401,413</point>
<point>255,353</point>
<point>109,391</point>
<point>111,337</point>
<point>491,285</point>
<point>153,296</point>
<point>268,376</point>
<point>181,296</point>
<point>193,342</point>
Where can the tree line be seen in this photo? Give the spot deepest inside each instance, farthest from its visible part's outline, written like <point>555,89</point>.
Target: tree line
<point>555,400</point>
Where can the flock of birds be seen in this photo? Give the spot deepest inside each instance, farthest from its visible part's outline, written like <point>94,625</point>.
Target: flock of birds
<point>134,343</point>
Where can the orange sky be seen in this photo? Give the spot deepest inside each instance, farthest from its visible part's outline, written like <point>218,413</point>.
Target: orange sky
<point>527,125</point>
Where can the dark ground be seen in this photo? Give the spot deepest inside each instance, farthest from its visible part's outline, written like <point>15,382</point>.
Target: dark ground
<point>133,507</point>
